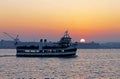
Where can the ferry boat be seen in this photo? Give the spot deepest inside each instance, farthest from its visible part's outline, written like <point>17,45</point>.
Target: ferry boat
<point>62,48</point>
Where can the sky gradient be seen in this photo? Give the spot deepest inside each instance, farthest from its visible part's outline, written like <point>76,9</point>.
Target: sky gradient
<point>94,20</point>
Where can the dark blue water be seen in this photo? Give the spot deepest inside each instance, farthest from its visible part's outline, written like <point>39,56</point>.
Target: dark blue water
<point>88,64</point>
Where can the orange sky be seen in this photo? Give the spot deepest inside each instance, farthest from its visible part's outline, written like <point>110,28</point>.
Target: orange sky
<point>94,20</point>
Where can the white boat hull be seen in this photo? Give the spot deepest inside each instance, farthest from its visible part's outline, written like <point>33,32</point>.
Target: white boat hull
<point>47,54</point>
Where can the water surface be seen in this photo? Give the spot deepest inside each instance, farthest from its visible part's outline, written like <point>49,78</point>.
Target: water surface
<point>88,64</point>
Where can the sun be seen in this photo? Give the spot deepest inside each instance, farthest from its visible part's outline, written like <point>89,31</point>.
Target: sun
<point>82,40</point>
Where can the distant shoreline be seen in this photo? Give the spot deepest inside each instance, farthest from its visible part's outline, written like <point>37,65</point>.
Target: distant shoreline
<point>77,48</point>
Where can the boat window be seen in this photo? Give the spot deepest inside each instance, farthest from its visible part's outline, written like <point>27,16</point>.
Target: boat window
<point>21,51</point>
<point>27,50</point>
<point>37,50</point>
<point>53,50</point>
<point>50,50</point>
<point>32,50</point>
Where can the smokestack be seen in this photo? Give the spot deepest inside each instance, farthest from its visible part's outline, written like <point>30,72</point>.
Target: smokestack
<point>41,40</point>
<point>45,40</point>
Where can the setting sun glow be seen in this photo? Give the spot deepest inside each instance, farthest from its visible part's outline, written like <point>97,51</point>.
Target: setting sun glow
<point>82,40</point>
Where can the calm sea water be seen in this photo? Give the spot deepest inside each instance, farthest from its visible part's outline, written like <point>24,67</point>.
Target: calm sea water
<point>88,64</point>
